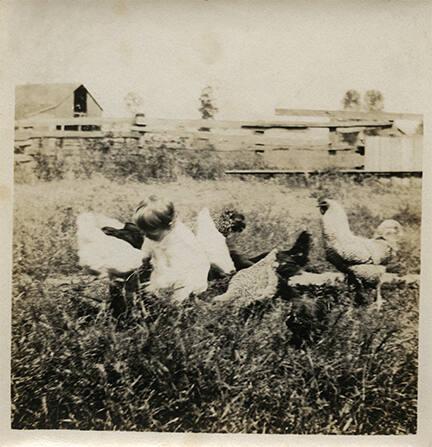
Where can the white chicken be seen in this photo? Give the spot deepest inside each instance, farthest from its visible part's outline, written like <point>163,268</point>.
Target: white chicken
<point>360,258</point>
<point>213,243</point>
<point>102,254</point>
<point>109,249</point>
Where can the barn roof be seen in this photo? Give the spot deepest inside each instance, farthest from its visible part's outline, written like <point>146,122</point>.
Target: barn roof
<point>31,99</point>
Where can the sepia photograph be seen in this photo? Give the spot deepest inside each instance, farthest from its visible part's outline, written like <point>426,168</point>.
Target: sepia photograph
<point>217,216</point>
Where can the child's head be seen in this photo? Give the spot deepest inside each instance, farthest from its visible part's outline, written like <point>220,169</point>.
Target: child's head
<point>154,217</point>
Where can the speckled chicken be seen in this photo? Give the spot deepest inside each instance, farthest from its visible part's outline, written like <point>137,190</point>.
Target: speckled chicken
<point>268,275</point>
<point>256,283</point>
<point>360,258</point>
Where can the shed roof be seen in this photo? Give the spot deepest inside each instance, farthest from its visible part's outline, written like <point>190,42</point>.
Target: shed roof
<point>31,99</point>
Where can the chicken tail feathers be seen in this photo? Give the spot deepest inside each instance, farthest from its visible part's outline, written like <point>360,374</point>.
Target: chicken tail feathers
<point>292,260</point>
<point>300,249</point>
<point>258,258</point>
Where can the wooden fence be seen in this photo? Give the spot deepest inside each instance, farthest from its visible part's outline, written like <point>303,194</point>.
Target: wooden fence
<point>285,144</point>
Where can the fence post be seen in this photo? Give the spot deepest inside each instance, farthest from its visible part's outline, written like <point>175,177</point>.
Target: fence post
<point>35,145</point>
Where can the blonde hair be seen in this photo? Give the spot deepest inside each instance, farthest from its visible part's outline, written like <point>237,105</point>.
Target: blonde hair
<point>154,213</point>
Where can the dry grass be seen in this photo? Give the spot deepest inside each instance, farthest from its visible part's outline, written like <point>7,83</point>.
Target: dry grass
<point>196,368</point>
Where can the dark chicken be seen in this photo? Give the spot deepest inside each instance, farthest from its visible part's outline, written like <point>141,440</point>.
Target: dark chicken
<point>129,233</point>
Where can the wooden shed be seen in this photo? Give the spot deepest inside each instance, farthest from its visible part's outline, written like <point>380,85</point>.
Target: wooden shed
<point>389,154</point>
<point>54,101</point>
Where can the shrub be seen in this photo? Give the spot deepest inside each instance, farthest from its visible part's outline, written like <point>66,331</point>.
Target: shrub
<point>49,167</point>
<point>158,160</point>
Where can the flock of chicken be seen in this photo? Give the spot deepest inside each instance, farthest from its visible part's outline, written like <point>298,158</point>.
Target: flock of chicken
<point>110,249</point>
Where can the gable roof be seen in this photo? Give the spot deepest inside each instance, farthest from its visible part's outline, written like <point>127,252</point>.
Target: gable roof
<point>31,99</point>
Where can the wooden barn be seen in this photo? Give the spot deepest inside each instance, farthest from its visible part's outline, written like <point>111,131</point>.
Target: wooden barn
<point>48,101</point>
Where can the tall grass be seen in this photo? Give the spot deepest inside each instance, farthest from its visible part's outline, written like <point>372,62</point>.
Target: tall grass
<point>202,367</point>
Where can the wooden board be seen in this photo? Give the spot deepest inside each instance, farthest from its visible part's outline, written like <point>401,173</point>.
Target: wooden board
<point>348,114</point>
<point>317,125</point>
<point>196,125</point>
<point>47,122</point>
<point>320,172</point>
<point>68,134</point>
<point>247,138</point>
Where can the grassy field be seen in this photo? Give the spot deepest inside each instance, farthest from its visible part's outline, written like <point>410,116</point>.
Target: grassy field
<point>204,369</point>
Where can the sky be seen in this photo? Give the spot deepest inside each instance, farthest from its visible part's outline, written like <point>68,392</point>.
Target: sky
<point>257,55</point>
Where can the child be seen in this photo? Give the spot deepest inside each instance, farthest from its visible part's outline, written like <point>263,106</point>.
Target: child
<point>178,261</point>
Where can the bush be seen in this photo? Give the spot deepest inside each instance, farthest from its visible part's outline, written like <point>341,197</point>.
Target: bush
<point>145,166</point>
<point>49,167</point>
<point>157,160</point>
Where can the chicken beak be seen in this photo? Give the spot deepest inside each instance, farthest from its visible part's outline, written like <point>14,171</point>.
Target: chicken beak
<point>323,207</point>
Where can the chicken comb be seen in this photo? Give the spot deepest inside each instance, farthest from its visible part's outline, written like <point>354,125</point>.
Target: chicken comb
<point>321,200</point>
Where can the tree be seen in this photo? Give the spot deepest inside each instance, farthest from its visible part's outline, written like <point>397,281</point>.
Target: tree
<point>373,101</point>
<point>134,102</point>
<point>208,108</point>
<point>351,100</point>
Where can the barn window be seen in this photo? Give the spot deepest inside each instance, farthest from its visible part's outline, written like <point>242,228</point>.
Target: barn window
<point>80,101</point>
<point>90,127</point>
